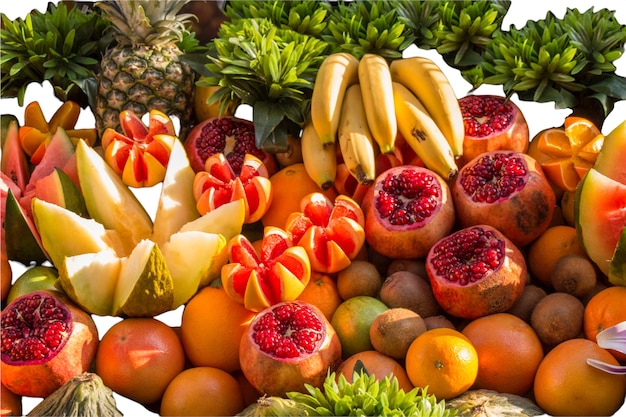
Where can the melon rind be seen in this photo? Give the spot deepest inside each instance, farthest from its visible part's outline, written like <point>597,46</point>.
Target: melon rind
<point>21,238</point>
<point>617,269</point>
<point>600,213</point>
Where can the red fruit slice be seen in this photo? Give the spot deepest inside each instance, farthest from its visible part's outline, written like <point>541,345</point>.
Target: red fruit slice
<point>331,234</point>
<point>278,272</point>
<point>218,184</point>
<point>476,271</point>
<point>14,164</point>
<point>287,346</point>
<point>140,155</point>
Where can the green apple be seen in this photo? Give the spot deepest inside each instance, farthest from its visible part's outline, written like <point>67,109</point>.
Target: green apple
<point>36,278</point>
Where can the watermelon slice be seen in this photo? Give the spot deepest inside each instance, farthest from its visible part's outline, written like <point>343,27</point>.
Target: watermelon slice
<point>610,160</point>
<point>617,270</point>
<point>600,213</point>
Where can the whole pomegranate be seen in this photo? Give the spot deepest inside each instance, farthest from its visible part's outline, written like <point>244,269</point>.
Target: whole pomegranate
<point>46,341</point>
<point>288,345</point>
<point>232,136</point>
<point>492,123</point>
<point>506,190</point>
<point>407,210</point>
<point>476,271</point>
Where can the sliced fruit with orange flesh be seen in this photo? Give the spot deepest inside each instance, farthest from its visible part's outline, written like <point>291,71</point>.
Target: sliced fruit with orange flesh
<point>610,161</point>
<point>600,213</point>
<point>218,184</point>
<point>568,153</point>
<point>331,233</point>
<point>279,272</point>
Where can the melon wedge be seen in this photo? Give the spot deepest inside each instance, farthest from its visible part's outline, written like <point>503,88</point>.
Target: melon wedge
<point>600,213</point>
<point>65,233</point>
<point>226,220</point>
<point>611,160</point>
<point>108,200</point>
<point>58,188</point>
<point>617,270</point>
<point>194,260</point>
<point>144,287</point>
<point>21,239</point>
<point>90,279</point>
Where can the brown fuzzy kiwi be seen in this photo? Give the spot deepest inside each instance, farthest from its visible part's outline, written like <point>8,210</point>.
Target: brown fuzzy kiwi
<point>393,330</point>
<point>417,266</point>
<point>438,321</point>
<point>557,317</point>
<point>359,278</point>
<point>574,274</point>
<point>408,290</point>
<point>525,304</point>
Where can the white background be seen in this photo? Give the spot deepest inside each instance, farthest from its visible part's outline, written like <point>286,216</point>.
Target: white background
<point>538,116</point>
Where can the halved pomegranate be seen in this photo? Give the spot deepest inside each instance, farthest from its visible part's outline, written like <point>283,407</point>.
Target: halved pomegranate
<point>218,184</point>
<point>331,233</point>
<point>476,271</point>
<point>278,272</point>
<point>287,346</point>
<point>232,136</point>
<point>492,123</point>
<point>140,155</point>
<point>46,341</point>
<point>407,210</point>
<point>507,190</point>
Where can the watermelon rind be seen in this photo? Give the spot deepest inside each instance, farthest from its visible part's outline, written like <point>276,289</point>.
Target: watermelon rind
<point>617,269</point>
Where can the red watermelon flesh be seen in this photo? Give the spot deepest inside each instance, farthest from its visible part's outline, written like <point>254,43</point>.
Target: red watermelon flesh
<point>611,160</point>
<point>600,216</point>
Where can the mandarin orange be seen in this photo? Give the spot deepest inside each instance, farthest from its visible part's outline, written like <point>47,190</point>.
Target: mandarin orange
<point>605,309</point>
<point>377,364</point>
<point>321,291</point>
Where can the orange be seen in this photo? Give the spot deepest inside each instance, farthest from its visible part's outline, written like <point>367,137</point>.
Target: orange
<point>442,360</point>
<point>138,357</point>
<point>202,391</point>
<point>554,243</point>
<point>566,385</point>
<point>376,364</point>
<point>289,186</point>
<point>250,394</point>
<point>202,109</point>
<point>509,352</point>
<point>6,275</point>
<point>10,403</point>
<point>605,309</point>
<point>211,328</point>
<point>321,291</point>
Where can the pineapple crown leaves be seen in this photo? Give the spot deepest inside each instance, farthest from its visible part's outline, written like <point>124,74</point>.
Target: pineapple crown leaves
<point>561,60</point>
<point>367,395</point>
<point>466,27</point>
<point>146,22</point>
<point>308,17</point>
<point>361,27</point>
<point>269,68</point>
<point>422,17</point>
<point>61,45</point>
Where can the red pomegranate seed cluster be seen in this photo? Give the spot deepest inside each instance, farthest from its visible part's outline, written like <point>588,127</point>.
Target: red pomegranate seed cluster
<point>214,137</point>
<point>482,117</point>
<point>467,256</point>
<point>491,178</point>
<point>288,331</point>
<point>33,328</point>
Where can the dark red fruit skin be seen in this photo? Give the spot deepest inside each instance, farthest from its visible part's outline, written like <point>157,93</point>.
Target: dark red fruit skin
<point>522,218</point>
<point>75,357</point>
<point>515,137</point>
<point>273,376</point>
<point>494,293</point>
<point>404,242</point>
<point>233,150</point>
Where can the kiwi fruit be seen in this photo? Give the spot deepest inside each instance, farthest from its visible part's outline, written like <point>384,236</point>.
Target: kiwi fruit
<point>438,321</point>
<point>525,304</point>
<point>359,278</point>
<point>574,274</point>
<point>417,266</point>
<point>393,331</point>
<point>557,317</point>
<point>408,290</point>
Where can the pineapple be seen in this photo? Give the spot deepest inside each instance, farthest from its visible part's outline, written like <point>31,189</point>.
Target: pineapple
<point>143,71</point>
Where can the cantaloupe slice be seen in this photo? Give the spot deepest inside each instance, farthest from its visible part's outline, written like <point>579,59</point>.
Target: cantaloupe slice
<point>600,213</point>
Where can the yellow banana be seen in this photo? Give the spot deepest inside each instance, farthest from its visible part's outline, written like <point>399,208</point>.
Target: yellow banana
<point>429,84</point>
<point>375,81</point>
<point>335,74</point>
<point>320,161</point>
<point>422,133</point>
<point>355,139</point>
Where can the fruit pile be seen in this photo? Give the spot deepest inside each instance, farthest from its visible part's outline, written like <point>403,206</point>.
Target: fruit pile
<point>413,252</point>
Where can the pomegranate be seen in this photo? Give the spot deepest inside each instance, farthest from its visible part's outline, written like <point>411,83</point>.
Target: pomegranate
<point>232,136</point>
<point>476,271</point>
<point>46,341</point>
<point>492,123</point>
<point>288,345</point>
<point>407,210</point>
<point>506,190</point>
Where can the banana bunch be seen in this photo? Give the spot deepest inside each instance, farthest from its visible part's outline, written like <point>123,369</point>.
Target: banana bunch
<point>364,104</point>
